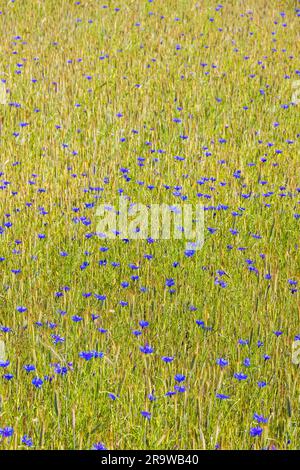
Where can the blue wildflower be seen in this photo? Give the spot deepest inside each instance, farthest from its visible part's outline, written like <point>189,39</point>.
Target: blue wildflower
<point>256,431</point>
<point>37,382</point>
<point>27,441</point>
<point>146,349</point>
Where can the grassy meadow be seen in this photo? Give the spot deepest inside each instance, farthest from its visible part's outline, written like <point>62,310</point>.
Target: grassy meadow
<point>142,344</point>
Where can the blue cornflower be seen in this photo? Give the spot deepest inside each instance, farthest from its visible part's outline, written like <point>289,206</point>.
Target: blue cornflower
<point>102,330</point>
<point>260,418</point>
<point>6,432</point>
<point>221,396</point>
<point>99,446</point>
<point>27,441</point>
<point>152,397</point>
<point>88,355</point>
<point>189,253</point>
<point>60,370</point>
<point>170,393</point>
<point>179,378</point>
<point>112,396</point>
<point>179,388</point>
<point>84,265</point>
<point>262,383</point>
<point>168,359</point>
<point>240,376</point>
<point>243,342</point>
<point>8,376</point>
<point>100,297</point>
<point>37,382</point>
<point>4,364</point>
<point>5,329</point>
<point>21,309</point>
<point>146,414</point>
<point>146,349</point>
<point>256,431</point>
<point>57,339</point>
<point>136,332</point>
<point>170,282</point>
<point>77,318</point>
<point>29,367</point>
<point>222,362</point>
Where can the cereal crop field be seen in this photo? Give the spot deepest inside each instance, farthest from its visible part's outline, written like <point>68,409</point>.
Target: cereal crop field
<point>118,331</point>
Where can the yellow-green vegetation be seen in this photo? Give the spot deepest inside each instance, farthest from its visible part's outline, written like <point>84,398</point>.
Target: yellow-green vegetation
<point>143,344</point>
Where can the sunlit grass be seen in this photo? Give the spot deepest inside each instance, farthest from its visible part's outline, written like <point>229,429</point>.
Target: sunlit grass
<point>70,68</point>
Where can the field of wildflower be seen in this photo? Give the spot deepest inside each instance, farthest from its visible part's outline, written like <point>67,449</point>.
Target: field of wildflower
<point>126,343</point>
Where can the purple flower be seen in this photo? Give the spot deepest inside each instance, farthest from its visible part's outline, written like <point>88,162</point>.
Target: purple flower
<point>221,362</point>
<point>240,376</point>
<point>37,382</point>
<point>221,396</point>
<point>99,446</point>
<point>27,441</point>
<point>168,359</point>
<point>21,309</point>
<point>4,364</point>
<point>6,432</point>
<point>170,282</point>
<point>112,396</point>
<point>256,431</point>
<point>179,378</point>
<point>170,393</point>
<point>179,388</point>
<point>260,418</point>
<point>262,384</point>
<point>88,355</point>
<point>8,376</point>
